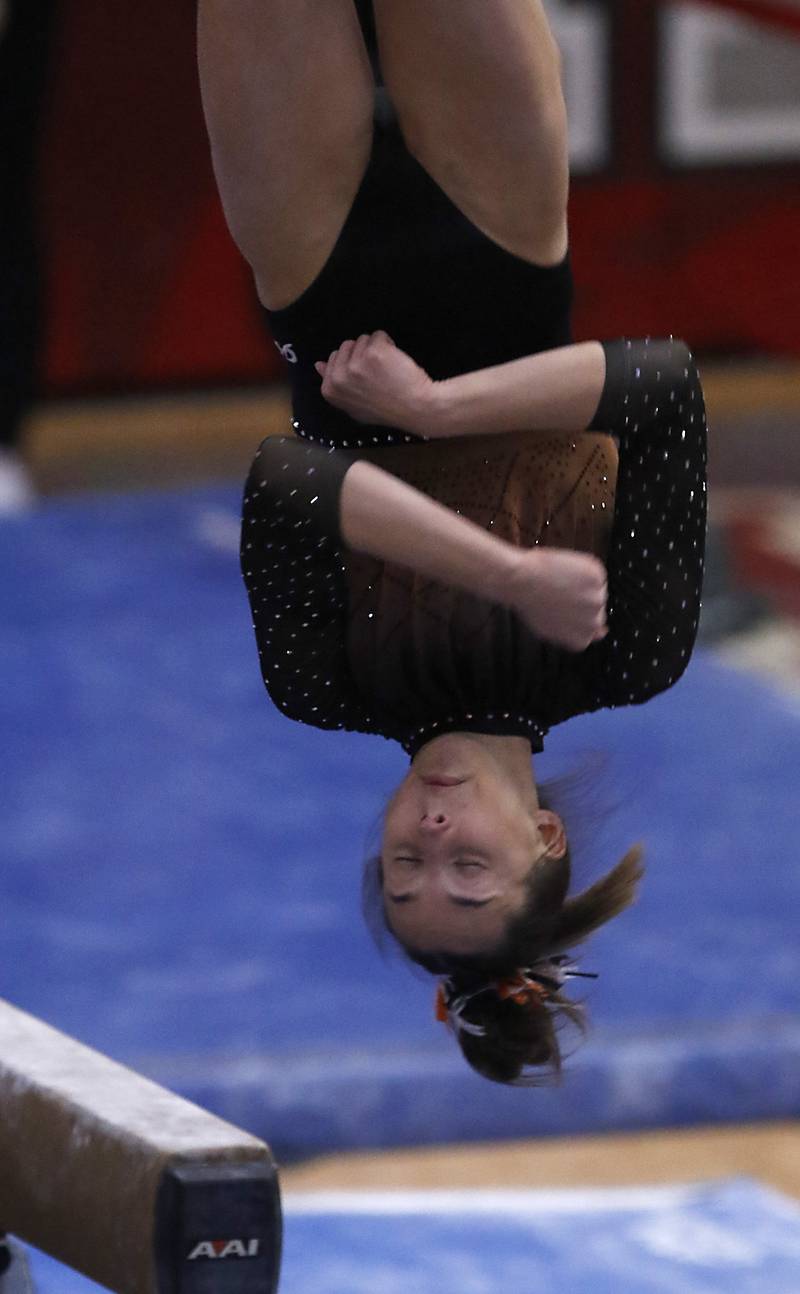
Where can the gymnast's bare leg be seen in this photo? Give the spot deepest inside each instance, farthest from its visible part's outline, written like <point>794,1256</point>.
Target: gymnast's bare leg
<point>477,88</point>
<point>288,95</point>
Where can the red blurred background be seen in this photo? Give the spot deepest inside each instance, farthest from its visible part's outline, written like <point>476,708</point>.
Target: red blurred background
<point>147,290</point>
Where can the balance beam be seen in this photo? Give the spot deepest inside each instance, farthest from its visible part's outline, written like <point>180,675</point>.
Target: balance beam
<point>115,1176</point>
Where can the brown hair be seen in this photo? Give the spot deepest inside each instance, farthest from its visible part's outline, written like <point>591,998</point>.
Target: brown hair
<point>518,1035</point>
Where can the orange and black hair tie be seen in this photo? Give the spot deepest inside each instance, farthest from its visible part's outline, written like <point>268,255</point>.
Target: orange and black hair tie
<point>539,982</point>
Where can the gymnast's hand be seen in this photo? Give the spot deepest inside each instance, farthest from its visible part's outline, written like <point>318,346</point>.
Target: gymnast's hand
<point>375,382</point>
<point>561,595</point>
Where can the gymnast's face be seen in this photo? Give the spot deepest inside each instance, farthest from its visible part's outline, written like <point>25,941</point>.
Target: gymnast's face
<point>459,844</point>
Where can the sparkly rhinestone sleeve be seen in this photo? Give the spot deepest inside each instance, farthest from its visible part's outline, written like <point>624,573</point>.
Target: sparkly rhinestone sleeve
<point>653,403</point>
<point>293,572</point>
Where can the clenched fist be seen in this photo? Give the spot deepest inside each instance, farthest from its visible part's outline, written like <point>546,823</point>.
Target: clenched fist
<point>561,595</point>
<point>375,382</point>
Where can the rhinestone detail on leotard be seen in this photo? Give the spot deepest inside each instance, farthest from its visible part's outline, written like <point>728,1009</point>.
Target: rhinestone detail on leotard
<point>357,441</point>
<point>311,628</point>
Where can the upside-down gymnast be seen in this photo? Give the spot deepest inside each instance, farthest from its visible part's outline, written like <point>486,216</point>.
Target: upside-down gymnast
<point>476,530</point>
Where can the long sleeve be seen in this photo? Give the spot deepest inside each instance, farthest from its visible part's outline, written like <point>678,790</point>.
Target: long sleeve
<point>294,574</point>
<point>653,403</point>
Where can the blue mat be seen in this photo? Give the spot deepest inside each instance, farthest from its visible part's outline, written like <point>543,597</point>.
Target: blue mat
<point>181,865</point>
<point>723,1238</point>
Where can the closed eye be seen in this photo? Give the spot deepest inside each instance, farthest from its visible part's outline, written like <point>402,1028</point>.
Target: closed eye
<point>462,864</point>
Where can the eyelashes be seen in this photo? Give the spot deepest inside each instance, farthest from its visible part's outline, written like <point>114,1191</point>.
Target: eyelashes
<point>462,864</point>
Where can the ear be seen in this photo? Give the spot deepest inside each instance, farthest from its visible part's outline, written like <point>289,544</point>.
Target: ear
<point>552,831</point>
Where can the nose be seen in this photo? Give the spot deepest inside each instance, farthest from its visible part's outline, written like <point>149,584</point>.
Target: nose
<point>434,822</point>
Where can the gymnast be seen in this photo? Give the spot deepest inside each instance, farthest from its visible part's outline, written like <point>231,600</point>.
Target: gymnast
<point>476,530</point>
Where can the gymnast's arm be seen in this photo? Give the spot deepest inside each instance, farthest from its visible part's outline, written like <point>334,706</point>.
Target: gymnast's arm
<point>303,502</point>
<point>374,381</point>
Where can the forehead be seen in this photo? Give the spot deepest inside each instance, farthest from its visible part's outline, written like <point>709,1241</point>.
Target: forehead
<point>448,929</point>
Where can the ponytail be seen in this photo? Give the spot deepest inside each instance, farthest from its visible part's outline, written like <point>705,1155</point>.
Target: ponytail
<point>505,1035</point>
<point>613,893</point>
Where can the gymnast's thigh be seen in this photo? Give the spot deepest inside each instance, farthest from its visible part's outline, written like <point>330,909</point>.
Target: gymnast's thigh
<point>481,106</point>
<point>288,94</point>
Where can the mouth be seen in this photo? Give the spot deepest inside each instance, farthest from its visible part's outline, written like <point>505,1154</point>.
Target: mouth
<point>441,779</point>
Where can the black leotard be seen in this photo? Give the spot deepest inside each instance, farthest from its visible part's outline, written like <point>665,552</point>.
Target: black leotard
<point>350,642</point>
<point>409,262</point>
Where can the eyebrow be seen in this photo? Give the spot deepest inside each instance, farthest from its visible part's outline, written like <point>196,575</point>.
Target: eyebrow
<point>461,903</point>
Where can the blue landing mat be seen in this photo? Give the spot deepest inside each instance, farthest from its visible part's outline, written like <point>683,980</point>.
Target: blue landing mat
<point>722,1238</point>
<point>180,865</point>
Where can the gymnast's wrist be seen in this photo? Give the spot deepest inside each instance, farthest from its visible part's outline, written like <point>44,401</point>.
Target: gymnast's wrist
<point>433,415</point>
<point>504,575</point>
